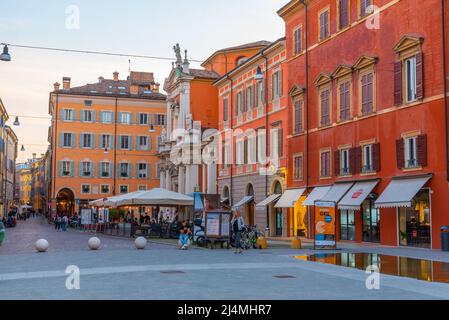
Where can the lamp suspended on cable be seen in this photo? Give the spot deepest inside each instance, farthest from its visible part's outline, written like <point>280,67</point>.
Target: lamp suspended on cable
<point>106,151</point>
<point>152,128</point>
<point>23,148</point>
<point>16,122</point>
<point>259,74</point>
<point>5,56</point>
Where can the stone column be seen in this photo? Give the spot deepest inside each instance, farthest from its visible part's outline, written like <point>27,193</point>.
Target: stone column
<point>205,180</point>
<point>169,124</point>
<point>195,179</point>
<point>211,179</point>
<point>168,181</point>
<point>181,179</point>
<point>188,180</point>
<point>162,180</point>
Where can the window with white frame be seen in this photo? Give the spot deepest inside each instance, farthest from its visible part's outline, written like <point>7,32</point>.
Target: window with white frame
<point>68,115</point>
<point>325,164</point>
<point>106,141</point>
<point>143,119</point>
<point>124,189</point>
<point>298,167</point>
<point>124,170</point>
<point>124,142</point>
<point>249,97</point>
<point>367,163</point>
<point>106,117</point>
<point>276,83</point>
<point>86,140</point>
<point>144,143</point>
<point>344,162</point>
<point>105,189</point>
<point>105,169</point>
<point>67,140</point>
<point>125,118</point>
<point>159,119</point>
<point>88,116</point>
<point>411,152</point>
<point>239,104</point>
<point>86,168</point>
<point>410,79</point>
<point>142,170</point>
<point>85,189</point>
<point>66,168</point>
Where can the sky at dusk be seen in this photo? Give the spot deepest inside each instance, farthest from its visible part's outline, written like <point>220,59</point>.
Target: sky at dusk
<point>143,27</point>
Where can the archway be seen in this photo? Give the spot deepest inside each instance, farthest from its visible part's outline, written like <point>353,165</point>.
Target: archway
<point>250,207</point>
<point>276,216</point>
<point>65,202</point>
<point>225,197</point>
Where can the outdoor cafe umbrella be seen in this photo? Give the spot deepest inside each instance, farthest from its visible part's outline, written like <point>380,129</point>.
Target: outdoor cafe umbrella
<point>157,196</point>
<point>112,201</point>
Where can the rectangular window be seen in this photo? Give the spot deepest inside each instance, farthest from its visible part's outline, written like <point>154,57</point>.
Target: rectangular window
<point>106,117</point>
<point>158,171</point>
<point>124,142</point>
<point>344,162</point>
<point>67,140</point>
<point>325,162</point>
<point>324,25</point>
<point>124,170</point>
<point>367,153</point>
<point>298,167</point>
<point>298,41</point>
<point>249,98</point>
<point>325,108</point>
<point>88,103</point>
<point>345,101</point>
<point>105,189</point>
<point>410,79</point>
<point>125,118</point>
<point>411,152</point>
<point>367,93</point>
<point>143,119</point>
<point>347,225</point>
<point>68,115</point>
<point>144,143</point>
<point>159,119</point>
<point>143,188</point>
<point>365,6</point>
<point>66,168</point>
<point>124,189</point>
<point>85,189</point>
<point>276,83</point>
<point>88,116</point>
<point>239,103</point>
<point>86,140</point>
<point>105,168</point>
<point>260,94</point>
<point>106,140</point>
<point>86,169</point>
<point>142,171</point>
<point>225,109</point>
<point>343,8</point>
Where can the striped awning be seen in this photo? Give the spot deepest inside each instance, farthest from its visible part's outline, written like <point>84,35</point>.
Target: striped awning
<point>245,200</point>
<point>268,201</point>
<point>358,193</point>
<point>289,198</point>
<point>316,194</point>
<point>401,191</point>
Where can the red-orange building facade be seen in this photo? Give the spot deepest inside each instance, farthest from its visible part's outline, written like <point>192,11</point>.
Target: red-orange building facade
<point>373,106</point>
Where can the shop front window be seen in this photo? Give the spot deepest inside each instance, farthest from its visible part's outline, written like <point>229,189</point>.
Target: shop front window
<point>371,221</point>
<point>414,222</point>
<point>347,225</point>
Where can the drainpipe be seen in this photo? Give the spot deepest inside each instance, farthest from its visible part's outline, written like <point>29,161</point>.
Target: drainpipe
<point>55,136</point>
<point>231,103</point>
<point>114,190</point>
<point>446,129</point>
<point>266,132</point>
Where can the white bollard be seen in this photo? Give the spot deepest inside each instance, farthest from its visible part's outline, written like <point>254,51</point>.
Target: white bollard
<point>94,243</point>
<point>41,245</point>
<point>140,243</point>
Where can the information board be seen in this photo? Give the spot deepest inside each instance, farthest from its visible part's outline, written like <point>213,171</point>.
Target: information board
<point>325,226</point>
<point>86,216</point>
<point>213,225</point>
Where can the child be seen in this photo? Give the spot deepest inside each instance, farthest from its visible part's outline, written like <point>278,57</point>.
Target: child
<point>184,239</point>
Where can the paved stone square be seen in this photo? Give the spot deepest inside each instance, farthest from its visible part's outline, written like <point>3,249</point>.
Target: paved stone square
<point>119,271</point>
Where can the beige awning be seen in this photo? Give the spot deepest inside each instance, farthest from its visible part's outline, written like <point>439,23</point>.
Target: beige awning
<point>289,198</point>
<point>401,191</point>
<point>358,193</point>
<point>245,200</point>
<point>268,201</point>
<point>316,194</point>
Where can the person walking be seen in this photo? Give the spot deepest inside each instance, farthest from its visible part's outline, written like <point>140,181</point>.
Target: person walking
<point>65,222</point>
<point>238,223</point>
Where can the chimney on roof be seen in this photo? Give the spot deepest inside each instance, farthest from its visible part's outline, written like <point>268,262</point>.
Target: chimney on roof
<point>56,85</point>
<point>116,74</point>
<point>156,87</point>
<point>66,83</point>
<point>100,79</point>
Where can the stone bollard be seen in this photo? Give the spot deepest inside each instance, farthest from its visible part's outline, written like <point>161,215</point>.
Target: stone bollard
<point>296,243</point>
<point>41,245</point>
<point>94,243</point>
<point>262,243</point>
<point>140,243</point>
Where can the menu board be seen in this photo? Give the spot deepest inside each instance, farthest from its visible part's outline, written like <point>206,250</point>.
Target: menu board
<point>325,231</point>
<point>86,216</point>
<point>225,225</point>
<point>213,225</point>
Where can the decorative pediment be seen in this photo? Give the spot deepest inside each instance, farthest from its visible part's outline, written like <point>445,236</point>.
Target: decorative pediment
<point>408,42</point>
<point>341,71</point>
<point>323,78</point>
<point>365,61</point>
<point>296,90</point>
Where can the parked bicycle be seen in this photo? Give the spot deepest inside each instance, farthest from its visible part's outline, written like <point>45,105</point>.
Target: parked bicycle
<point>248,238</point>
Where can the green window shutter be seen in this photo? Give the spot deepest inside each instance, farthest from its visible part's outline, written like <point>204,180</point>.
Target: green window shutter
<point>120,117</point>
<point>119,143</point>
<point>111,170</point>
<point>80,169</point>
<point>112,145</point>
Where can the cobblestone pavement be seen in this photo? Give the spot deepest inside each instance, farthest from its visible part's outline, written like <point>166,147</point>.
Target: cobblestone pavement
<point>21,239</point>
<point>119,271</point>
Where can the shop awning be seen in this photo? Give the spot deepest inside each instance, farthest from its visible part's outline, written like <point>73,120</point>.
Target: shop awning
<point>335,194</point>
<point>224,200</point>
<point>358,193</point>
<point>401,191</point>
<point>244,201</point>
<point>268,201</point>
<point>316,194</point>
<point>289,198</point>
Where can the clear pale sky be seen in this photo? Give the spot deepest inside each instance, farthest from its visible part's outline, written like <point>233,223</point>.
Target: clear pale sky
<point>146,27</point>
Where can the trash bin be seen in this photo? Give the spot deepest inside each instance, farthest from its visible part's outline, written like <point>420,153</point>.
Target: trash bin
<point>445,238</point>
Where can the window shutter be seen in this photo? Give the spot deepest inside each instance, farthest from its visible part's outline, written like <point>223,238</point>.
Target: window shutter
<point>400,156</point>
<point>322,26</point>
<point>262,98</point>
<point>61,140</point>
<point>422,150</point>
<point>130,143</point>
<point>73,140</point>
<point>111,170</point>
<point>111,143</point>
<point>83,118</point>
<point>244,104</point>
<point>60,164</point>
<point>120,117</point>
<point>398,83</point>
<point>344,19</point>
<point>419,76</point>
<point>148,170</point>
<point>80,169</point>
<point>81,140</point>
<point>337,162</point>
<point>93,141</point>
<point>119,143</point>
<point>138,146</point>
<point>92,169</point>
<point>130,170</point>
<point>376,157</point>
<point>72,168</point>
<point>94,116</point>
<point>280,143</point>
<point>100,172</point>
<point>149,144</point>
<point>272,87</point>
<point>255,95</point>
<point>353,160</point>
<point>281,83</point>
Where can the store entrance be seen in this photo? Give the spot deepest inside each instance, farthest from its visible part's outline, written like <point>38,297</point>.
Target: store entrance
<point>414,222</point>
<point>371,221</point>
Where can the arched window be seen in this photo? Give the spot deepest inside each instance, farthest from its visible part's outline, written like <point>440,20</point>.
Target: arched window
<point>241,60</point>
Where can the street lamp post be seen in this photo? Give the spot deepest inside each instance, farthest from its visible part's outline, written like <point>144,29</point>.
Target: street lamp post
<point>5,56</point>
